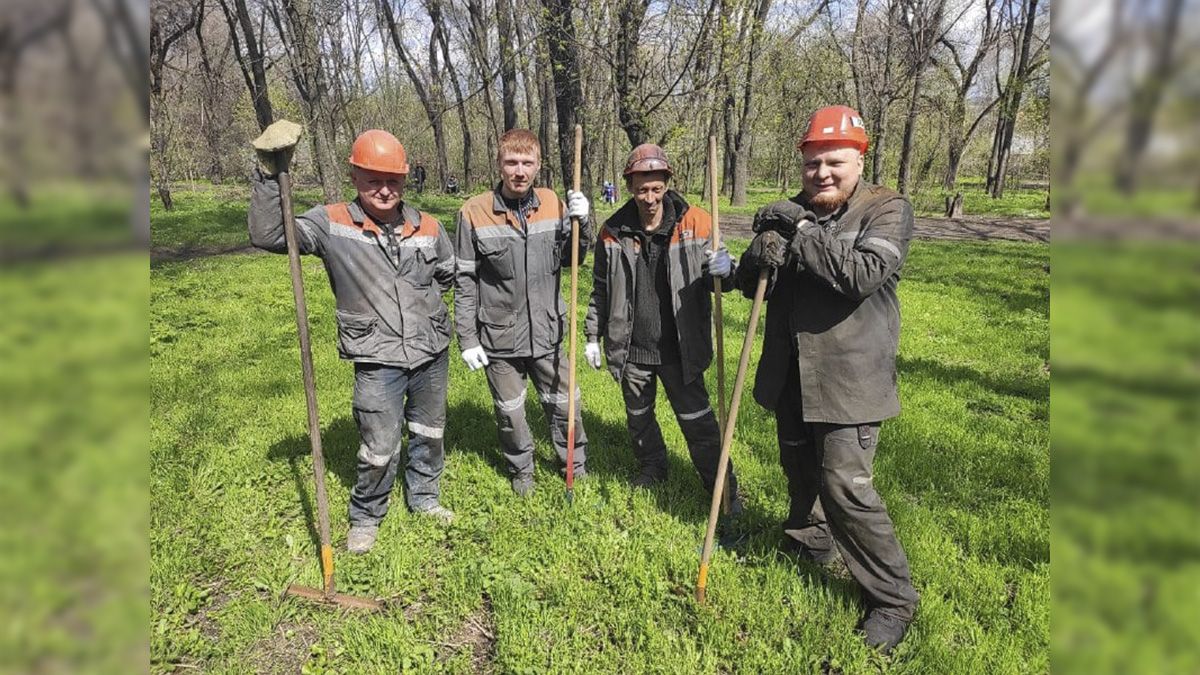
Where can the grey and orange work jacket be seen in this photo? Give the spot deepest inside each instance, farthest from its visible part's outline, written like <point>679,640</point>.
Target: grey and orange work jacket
<point>388,289</point>
<point>507,296</point>
<point>614,277</point>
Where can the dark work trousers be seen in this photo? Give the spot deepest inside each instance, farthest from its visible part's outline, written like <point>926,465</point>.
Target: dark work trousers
<point>385,398</point>
<point>833,501</point>
<point>507,378</point>
<point>689,400</point>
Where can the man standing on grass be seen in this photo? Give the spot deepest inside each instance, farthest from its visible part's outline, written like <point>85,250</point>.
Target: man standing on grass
<point>650,302</point>
<point>388,264</point>
<point>828,366</point>
<point>511,244</point>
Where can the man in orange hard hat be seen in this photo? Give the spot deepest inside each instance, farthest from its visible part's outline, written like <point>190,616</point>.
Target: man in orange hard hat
<point>651,304</point>
<point>828,366</point>
<point>512,243</point>
<point>388,265</point>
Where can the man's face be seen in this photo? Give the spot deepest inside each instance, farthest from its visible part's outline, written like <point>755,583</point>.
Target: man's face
<point>379,192</point>
<point>517,172</point>
<point>648,190</point>
<point>831,173</point>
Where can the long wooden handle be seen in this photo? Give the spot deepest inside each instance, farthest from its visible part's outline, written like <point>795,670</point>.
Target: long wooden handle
<point>310,387</point>
<point>718,309</point>
<point>739,382</point>
<point>573,343</point>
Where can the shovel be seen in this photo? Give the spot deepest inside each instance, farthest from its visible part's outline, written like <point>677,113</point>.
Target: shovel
<point>328,593</point>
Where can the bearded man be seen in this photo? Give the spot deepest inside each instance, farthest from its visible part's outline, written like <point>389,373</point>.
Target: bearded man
<point>828,366</point>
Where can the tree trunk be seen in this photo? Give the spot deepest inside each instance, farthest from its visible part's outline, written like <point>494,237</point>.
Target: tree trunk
<point>508,63</point>
<point>250,59</point>
<point>561,44</point>
<point>906,140</point>
<point>545,96</point>
<point>745,134</point>
<point>429,95</point>
<point>312,86</point>
<point>1147,98</point>
<point>437,19</point>
<point>1008,113</point>
<point>630,14</point>
<point>477,34</point>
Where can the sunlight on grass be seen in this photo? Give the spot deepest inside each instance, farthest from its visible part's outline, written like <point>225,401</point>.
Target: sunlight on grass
<point>604,585</point>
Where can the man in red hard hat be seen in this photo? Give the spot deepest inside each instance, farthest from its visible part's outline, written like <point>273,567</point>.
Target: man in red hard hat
<point>512,243</point>
<point>828,366</point>
<point>651,303</point>
<point>388,265</point>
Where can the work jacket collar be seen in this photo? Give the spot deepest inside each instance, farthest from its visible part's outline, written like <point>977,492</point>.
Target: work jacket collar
<point>410,217</point>
<point>627,223</point>
<point>528,204</point>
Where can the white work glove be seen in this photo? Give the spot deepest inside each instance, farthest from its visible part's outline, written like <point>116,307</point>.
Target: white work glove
<point>718,264</point>
<point>577,206</point>
<point>591,352</point>
<point>475,358</point>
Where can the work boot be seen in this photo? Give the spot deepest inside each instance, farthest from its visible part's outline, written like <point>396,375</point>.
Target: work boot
<point>883,631</point>
<point>437,511</point>
<point>361,538</point>
<point>737,504</point>
<point>648,477</point>
<point>822,557</point>
<point>522,484</point>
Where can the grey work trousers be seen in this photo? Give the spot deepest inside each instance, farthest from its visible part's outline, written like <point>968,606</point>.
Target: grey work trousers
<point>507,379</point>
<point>829,469</point>
<point>693,411</point>
<point>385,398</point>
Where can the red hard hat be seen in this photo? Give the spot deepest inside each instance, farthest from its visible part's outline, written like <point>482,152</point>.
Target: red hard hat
<point>377,150</point>
<point>836,124</point>
<point>648,158</point>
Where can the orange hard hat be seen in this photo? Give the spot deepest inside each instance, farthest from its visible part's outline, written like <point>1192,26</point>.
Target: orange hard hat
<point>377,150</point>
<point>836,124</point>
<point>647,158</point>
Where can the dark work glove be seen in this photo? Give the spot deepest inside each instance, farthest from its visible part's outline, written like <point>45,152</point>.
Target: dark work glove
<point>782,216</point>
<point>767,250</point>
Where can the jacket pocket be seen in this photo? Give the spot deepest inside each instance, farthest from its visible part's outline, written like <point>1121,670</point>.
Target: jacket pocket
<point>357,334</point>
<point>417,266</point>
<point>496,329</point>
<point>498,257</point>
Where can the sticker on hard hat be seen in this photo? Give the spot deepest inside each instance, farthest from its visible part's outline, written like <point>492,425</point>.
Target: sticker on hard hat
<point>827,130</point>
<point>857,121</point>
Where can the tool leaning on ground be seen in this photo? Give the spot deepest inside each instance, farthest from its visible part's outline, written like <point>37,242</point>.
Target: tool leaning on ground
<point>274,148</point>
<point>739,382</point>
<point>574,324</point>
<point>718,313</point>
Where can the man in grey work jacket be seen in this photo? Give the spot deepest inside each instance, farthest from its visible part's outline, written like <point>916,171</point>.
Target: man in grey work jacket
<point>388,265</point>
<point>828,366</point>
<point>509,312</point>
<point>651,303</point>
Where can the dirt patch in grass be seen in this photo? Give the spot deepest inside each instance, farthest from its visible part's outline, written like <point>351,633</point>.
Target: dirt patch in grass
<point>285,651</point>
<point>478,634</point>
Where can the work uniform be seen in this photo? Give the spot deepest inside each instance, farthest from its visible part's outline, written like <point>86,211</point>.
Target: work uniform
<point>508,300</point>
<point>387,280</point>
<point>828,370</point>
<point>651,303</point>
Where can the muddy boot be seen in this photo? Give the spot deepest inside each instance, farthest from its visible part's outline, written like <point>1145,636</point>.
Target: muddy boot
<point>361,538</point>
<point>437,511</point>
<point>522,484</point>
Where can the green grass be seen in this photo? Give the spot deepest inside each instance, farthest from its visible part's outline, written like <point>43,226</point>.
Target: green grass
<point>1127,369</point>
<point>75,569</point>
<point>606,584</point>
<point>74,215</point>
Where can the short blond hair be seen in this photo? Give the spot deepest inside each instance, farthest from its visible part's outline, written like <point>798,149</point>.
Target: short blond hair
<point>520,141</point>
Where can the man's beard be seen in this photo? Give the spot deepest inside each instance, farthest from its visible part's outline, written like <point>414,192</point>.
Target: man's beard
<point>829,201</point>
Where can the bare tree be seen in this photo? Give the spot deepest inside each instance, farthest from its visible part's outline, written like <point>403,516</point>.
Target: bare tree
<point>564,59</point>
<point>964,76</point>
<point>429,90</point>
<point>1010,104</point>
<point>169,22</point>
<point>248,50</point>
<point>925,23</point>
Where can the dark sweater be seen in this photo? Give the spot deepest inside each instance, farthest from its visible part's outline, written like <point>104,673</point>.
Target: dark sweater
<point>654,339</point>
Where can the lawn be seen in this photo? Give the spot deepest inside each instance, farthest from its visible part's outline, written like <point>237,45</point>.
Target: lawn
<point>605,585</point>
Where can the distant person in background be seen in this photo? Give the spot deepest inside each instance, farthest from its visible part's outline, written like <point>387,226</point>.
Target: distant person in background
<point>452,185</point>
<point>418,177</point>
<point>828,366</point>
